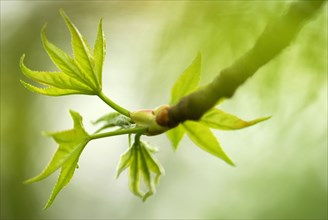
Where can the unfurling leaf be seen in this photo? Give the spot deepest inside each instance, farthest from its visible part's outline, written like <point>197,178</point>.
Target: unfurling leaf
<point>113,119</point>
<point>71,144</point>
<point>218,119</point>
<point>79,75</point>
<point>142,167</point>
<point>203,137</point>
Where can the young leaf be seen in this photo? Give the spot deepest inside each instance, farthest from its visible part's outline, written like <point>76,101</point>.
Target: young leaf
<point>71,144</point>
<point>203,137</point>
<point>142,167</point>
<point>175,135</point>
<point>218,119</point>
<point>188,81</point>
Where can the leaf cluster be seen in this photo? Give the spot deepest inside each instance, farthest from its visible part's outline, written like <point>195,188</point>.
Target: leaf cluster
<point>142,166</point>
<point>81,74</point>
<point>71,144</point>
<point>200,132</point>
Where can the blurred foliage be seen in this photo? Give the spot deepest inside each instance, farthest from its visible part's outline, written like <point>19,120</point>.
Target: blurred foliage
<point>281,165</point>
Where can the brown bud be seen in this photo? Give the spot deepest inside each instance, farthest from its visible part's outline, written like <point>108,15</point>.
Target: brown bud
<point>162,117</point>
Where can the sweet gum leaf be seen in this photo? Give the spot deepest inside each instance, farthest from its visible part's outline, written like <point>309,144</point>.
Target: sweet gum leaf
<point>142,167</point>
<point>188,81</point>
<point>218,119</point>
<point>71,144</point>
<point>203,137</point>
<point>79,75</point>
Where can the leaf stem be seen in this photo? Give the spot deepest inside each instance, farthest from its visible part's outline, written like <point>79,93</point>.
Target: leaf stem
<point>113,105</point>
<point>138,130</point>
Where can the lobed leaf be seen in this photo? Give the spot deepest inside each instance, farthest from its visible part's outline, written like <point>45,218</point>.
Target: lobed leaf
<point>71,144</point>
<point>218,119</point>
<point>79,75</point>
<point>142,167</point>
<point>203,137</point>
<point>188,81</point>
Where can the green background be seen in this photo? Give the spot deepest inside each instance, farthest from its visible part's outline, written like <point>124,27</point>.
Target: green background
<point>281,164</point>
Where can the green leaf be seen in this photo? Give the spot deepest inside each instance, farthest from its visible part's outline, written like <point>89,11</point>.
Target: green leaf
<point>71,144</point>
<point>187,82</point>
<point>218,119</point>
<point>175,135</point>
<point>99,53</point>
<point>203,137</point>
<point>142,167</point>
<point>83,57</point>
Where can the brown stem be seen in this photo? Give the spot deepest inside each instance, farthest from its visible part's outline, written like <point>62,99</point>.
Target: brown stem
<point>275,38</point>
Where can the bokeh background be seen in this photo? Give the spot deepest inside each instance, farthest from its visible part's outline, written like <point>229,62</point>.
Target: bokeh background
<point>281,164</point>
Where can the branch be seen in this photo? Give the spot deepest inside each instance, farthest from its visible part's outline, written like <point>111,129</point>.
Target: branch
<point>275,38</point>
